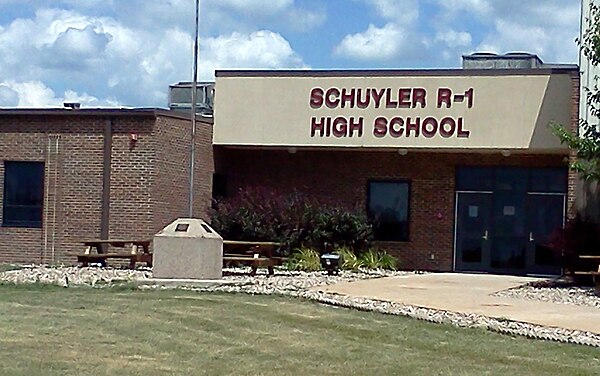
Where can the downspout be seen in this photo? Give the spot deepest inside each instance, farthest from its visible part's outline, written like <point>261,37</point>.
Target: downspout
<point>104,222</point>
<point>50,180</point>
<point>54,198</point>
<point>44,258</point>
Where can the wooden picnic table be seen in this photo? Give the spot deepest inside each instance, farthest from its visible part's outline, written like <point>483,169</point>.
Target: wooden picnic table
<point>256,254</point>
<point>100,245</point>
<point>595,274</point>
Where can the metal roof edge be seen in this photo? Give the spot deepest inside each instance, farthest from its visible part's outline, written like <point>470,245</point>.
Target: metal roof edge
<point>550,69</point>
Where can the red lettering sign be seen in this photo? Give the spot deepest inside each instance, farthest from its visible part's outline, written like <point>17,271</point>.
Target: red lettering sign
<point>388,99</point>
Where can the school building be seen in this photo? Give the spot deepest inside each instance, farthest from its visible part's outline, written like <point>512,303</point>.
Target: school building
<point>457,168</point>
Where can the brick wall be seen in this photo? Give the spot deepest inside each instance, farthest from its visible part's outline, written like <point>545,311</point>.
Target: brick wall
<point>131,178</point>
<point>148,184</point>
<point>171,190</point>
<point>73,183</point>
<point>342,176</point>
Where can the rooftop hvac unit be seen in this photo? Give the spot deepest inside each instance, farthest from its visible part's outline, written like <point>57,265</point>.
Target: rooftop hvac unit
<point>180,96</point>
<point>512,60</point>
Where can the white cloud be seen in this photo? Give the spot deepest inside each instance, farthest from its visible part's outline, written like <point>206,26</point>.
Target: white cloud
<point>400,12</point>
<point>262,49</point>
<point>8,96</point>
<point>373,44</point>
<point>479,7</point>
<point>262,7</point>
<point>552,40</point>
<point>453,38</point>
<point>36,94</point>
<point>404,38</point>
<point>87,100</point>
<point>76,48</point>
<point>67,52</point>
<point>547,28</point>
<point>304,20</point>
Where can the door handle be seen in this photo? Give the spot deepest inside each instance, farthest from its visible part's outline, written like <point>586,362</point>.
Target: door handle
<point>485,235</point>
<point>531,236</point>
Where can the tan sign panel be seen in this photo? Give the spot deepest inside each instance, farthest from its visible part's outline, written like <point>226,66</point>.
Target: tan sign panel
<point>493,112</point>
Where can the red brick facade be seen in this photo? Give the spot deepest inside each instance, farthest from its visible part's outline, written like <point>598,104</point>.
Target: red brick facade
<point>148,177</point>
<point>342,177</point>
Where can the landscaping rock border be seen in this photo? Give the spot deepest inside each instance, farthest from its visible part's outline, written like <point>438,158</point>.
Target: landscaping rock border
<point>299,284</point>
<point>555,291</point>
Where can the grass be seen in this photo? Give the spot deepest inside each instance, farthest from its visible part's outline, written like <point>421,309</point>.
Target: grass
<point>8,267</point>
<point>84,331</point>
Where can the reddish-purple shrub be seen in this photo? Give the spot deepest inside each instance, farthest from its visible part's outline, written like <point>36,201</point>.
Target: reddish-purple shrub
<point>260,214</point>
<point>579,237</point>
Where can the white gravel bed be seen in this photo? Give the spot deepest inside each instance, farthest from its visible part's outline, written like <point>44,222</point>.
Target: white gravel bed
<point>72,275</point>
<point>555,292</point>
<point>298,284</point>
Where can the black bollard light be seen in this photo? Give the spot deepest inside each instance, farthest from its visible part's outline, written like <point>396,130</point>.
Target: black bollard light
<point>331,263</point>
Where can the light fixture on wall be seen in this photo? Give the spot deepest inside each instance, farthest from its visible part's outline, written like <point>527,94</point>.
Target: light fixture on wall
<point>292,150</point>
<point>133,138</point>
<point>402,151</point>
<point>505,153</point>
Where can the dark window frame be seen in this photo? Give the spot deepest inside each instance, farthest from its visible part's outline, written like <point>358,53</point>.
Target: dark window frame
<point>528,180</point>
<point>8,219</point>
<point>408,183</point>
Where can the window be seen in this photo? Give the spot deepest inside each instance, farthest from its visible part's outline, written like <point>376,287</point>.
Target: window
<point>388,204</point>
<point>552,180</point>
<point>474,179</point>
<point>23,194</point>
<point>219,186</point>
<point>512,179</point>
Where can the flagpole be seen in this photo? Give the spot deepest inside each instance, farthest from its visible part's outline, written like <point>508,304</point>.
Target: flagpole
<point>193,113</point>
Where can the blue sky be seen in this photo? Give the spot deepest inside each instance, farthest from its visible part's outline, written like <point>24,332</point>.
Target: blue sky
<point>127,52</point>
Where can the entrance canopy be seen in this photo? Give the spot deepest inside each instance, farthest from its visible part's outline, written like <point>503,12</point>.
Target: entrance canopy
<point>433,109</point>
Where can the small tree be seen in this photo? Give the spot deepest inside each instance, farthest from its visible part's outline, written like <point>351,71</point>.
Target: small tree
<point>587,143</point>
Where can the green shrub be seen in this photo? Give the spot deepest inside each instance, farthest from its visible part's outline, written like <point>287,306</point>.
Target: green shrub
<point>295,220</point>
<point>387,261</point>
<point>374,259</point>
<point>349,261</point>
<point>304,259</point>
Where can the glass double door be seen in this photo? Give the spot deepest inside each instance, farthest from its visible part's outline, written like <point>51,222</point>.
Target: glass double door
<point>507,232</point>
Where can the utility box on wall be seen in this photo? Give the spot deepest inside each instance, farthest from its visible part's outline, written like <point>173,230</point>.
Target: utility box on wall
<point>188,248</point>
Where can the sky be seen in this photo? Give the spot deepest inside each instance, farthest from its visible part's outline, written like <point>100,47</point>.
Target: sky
<point>125,53</point>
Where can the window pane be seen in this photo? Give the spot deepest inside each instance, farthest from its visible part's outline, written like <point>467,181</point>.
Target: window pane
<point>474,179</point>
<point>23,194</point>
<point>23,216</point>
<point>388,209</point>
<point>511,179</point>
<point>549,180</point>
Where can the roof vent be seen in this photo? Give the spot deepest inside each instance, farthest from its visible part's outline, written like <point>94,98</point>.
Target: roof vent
<point>180,97</point>
<point>511,60</point>
<point>72,105</point>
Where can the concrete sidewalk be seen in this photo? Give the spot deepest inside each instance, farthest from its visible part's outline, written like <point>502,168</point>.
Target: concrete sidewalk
<point>471,293</point>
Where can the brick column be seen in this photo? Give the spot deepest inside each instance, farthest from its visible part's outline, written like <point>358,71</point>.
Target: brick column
<point>574,188</point>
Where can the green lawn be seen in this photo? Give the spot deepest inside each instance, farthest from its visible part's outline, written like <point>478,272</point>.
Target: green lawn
<point>84,331</point>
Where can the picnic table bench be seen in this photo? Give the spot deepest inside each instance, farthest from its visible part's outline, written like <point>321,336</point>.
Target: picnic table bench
<point>100,256</point>
<point>595,274</point>
<point>255,254</point>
